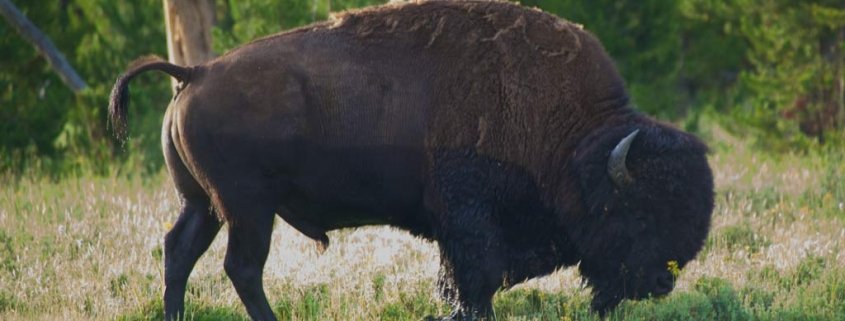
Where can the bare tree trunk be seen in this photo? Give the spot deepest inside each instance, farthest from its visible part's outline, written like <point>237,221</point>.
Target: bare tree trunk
<point>188,25</point>
<point>43,45</point>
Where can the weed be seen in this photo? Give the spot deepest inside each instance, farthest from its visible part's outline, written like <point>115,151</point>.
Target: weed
<point>117,285</point>
<point>8,258</point>
<point>8,302</point>
<point>378,287</point>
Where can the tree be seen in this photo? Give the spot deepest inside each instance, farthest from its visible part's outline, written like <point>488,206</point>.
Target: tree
<point>188,24</point>
<point>43,44</point>
<point>791,85</point>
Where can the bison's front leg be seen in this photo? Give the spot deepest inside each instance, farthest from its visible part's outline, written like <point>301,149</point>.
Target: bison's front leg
<point>462,198</point>
<point>472,263</point>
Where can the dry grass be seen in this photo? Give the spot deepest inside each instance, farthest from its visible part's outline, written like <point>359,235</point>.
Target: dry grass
<point>90,248</point>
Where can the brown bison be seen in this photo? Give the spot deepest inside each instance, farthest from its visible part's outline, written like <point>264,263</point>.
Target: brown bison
<point>504,134</point>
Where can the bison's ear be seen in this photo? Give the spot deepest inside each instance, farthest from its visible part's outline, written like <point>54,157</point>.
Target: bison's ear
<point>616,167</point>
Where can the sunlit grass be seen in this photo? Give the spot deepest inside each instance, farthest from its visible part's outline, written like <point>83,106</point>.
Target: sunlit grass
<point>90,248</point>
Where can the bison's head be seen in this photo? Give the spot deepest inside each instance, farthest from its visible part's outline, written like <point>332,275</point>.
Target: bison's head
<point>647,192</point>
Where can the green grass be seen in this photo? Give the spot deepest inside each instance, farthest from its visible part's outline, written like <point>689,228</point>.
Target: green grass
<point>711,298</point>
<point>90,248</point>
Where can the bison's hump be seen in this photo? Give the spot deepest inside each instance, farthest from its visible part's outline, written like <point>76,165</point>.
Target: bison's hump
<point>471,22</point>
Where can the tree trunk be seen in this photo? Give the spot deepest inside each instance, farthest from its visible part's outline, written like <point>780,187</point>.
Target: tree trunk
<point>43,45</point>
<point>188,25</point>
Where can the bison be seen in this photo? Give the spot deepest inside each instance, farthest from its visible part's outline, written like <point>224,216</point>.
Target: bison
<point>503,133</point>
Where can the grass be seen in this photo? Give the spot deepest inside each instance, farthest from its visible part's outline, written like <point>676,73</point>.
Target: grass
<point>89,248</point>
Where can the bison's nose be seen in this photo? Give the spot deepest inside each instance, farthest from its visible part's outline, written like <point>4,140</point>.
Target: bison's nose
<point>663,284</point>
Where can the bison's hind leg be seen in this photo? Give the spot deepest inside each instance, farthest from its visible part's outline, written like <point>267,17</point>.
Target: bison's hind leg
<point>190,237</point>
<point>184,244</point>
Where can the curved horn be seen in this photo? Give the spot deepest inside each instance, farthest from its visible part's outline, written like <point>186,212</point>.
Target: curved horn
<point>616,167</point>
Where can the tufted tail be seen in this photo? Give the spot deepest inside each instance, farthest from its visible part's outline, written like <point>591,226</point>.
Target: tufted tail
<point>120,92</point>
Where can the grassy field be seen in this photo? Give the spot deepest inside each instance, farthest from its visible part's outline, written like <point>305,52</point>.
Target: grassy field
<point>90,248</point>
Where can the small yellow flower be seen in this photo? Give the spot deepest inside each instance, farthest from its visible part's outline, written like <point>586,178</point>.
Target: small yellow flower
<point>672,266</point>
<point>167,226</point>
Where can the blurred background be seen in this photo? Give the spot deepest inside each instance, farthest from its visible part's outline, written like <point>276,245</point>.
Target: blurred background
<point>770,71</point>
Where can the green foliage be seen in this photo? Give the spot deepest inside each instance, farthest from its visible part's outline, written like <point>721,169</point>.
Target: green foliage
<point>537,305</point>
<point>767,68</point>
<point>8,301</point>
<point>42,118</point>
<point>47,128</point>
<point>8,258</point>
<point>792,54</point>
<point>242,21</point>
<point>378,287</point>
<point>723,299</point>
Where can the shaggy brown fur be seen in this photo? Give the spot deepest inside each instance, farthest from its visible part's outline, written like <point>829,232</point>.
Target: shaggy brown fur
<point>485,126</point>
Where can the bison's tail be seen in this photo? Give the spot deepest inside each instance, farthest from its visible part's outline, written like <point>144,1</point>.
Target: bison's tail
<point>120,92</point>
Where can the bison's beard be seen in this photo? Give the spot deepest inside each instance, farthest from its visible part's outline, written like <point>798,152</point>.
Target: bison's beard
<point>606,296</point>
<point>609,287</point>
<point>610,290</point>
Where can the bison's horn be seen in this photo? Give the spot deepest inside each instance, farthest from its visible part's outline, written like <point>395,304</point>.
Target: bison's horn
<point>616,163</point>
